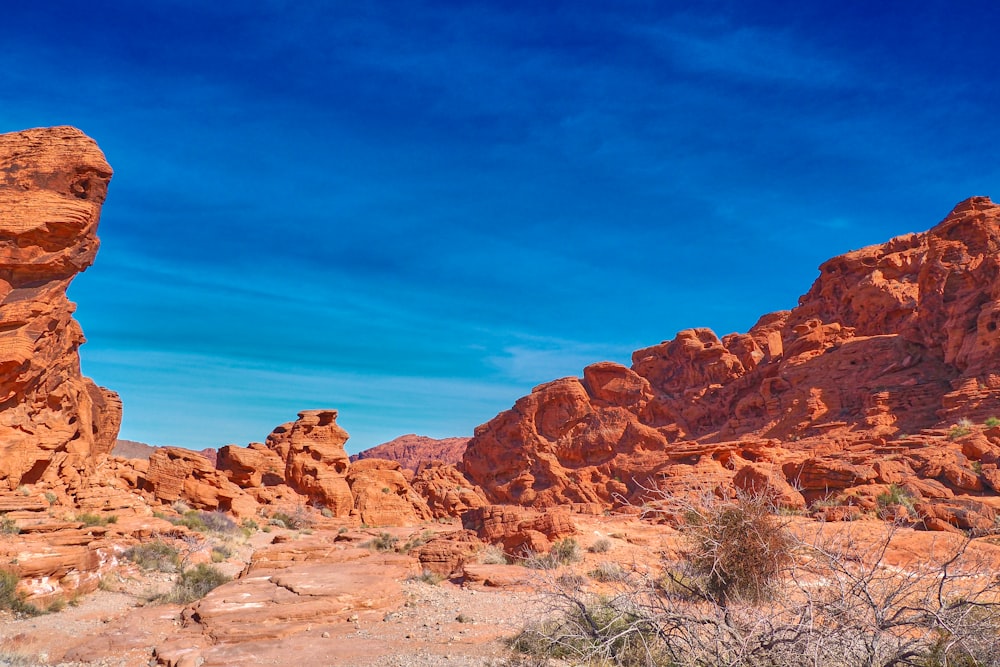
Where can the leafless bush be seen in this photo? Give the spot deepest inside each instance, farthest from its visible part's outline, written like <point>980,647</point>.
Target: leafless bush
<point>833,599</point>
<point>737,548</point>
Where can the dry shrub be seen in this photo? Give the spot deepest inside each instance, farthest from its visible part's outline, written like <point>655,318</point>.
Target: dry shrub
<point>747,593</point>
<point>738,548</point>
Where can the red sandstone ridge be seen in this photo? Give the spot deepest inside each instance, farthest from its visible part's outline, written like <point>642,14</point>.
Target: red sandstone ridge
<point>890,339</point>
<point>412,450</point>
<point>55,424</point>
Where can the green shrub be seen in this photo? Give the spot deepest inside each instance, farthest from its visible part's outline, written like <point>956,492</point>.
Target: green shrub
<point>896,495</point>
<point>957,432</point>
<point>191,520</point>
<point>11,599</point>
<point>155,555</point>
<point>195,583</point>
<point>416,541</point>
<point>992,422</point>
<point>8,588</point>
<point>51,497</point>
<point>566,551</point>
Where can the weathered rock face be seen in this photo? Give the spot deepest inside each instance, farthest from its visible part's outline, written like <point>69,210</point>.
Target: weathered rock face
<point>891,339</point>
<point>447,491</point>
<point>382,496</point>
<point>412,450</point>
<point>180,474</point>
<point>55,424</point>
<point>312,448</point>
<point>304,462</point>
<point>520,531</point>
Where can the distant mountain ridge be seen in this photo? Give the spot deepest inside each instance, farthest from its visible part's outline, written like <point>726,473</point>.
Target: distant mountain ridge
<point>130,449</point>
<point>411,450</point>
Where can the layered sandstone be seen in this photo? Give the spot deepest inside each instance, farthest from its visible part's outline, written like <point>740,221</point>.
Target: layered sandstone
<point>891,340</point>
<point>55,424</point>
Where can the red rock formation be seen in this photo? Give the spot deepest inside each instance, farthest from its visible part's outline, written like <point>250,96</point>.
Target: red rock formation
<point>55,424</point>
<point>180,474</point>
<point>304,462</point>
<point>518,530</point>
<point>312,448</point>
<point>382,496</point>
<point>412,450</point>
<point>447,491</point>
<point>891,339</point>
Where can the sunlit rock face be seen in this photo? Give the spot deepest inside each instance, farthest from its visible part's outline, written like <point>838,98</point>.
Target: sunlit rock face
<point>891,339</point>
<point>55,424</point>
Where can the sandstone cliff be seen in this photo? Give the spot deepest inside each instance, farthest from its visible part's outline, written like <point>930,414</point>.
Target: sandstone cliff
<point>891,340</point>
<point>55,424</point>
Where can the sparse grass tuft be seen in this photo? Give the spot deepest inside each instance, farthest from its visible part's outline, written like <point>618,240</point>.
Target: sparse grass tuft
<point>991,422</point>
<point>963,428</point>
<point>607,571</point>
<point>155,555</point>
<point>8,526</point>
<point>192,520</point>
<point>428,577</point>
<point>297,520</point>
<point>896,495</point>
<point>92,519</point>
<point>220,553</point>
<point>384,542</point>
<point>493,555</point>
<point>219,522</point>
<point>601,546</point>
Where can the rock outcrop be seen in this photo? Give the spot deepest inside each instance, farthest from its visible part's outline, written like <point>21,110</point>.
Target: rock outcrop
<point>55,424</point>
<point>447,491</point>
<point>413,450</point>
<point>304,462</point>
<point>893,339</point>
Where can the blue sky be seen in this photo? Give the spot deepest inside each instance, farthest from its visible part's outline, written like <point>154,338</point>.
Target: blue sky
<point>416,211</point>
